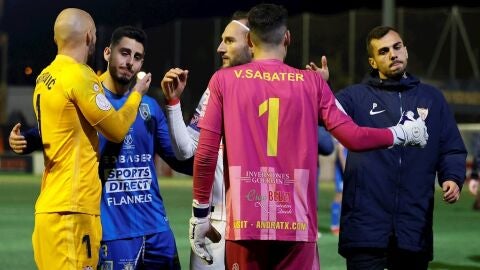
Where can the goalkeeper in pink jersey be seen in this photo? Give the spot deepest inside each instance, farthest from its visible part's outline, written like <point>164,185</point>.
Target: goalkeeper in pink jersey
<point>234,51</point>
<point>267,113</point>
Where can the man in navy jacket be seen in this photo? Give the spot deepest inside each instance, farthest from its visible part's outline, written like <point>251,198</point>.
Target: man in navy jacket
<point>388,194</point>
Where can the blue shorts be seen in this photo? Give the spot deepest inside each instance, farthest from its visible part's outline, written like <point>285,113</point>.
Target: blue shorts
<point>153,251</point>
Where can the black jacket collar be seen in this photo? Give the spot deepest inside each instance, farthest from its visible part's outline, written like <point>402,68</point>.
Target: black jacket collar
<point>406,82</point>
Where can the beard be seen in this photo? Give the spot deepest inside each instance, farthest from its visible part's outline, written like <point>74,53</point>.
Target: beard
<point>397,74</point>
<point>123,80</point>
<point>241,58</point>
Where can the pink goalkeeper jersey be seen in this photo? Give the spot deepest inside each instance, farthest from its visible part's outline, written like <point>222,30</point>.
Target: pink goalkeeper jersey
<point>268,113</point>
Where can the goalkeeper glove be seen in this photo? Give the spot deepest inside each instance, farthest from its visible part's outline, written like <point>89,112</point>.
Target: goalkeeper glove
<point>200,228</point>
<point>412,132</point>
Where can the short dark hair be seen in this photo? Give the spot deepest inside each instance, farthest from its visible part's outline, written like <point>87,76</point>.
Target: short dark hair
<point>130,32</point>
<point>268,23</point>
<point>240,15</point>
<point>377,33</point>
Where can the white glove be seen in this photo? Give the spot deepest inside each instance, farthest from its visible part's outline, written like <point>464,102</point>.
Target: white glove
<point>200,228</point>
<point>197,235</point>
<point>412,132</point>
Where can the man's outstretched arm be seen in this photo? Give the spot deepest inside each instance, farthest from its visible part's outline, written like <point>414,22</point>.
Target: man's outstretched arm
<point>24,142</point>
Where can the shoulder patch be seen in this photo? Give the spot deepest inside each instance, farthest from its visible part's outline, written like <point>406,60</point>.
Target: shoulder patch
<point>102,102</point>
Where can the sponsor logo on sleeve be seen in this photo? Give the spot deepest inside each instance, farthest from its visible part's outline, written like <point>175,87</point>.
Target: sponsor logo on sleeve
<point>102,102</point>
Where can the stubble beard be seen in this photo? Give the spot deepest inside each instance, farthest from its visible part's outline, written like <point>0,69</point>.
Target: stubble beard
<point>119,79</point>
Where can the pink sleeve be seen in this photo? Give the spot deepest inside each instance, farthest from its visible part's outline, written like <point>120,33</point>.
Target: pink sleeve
<point>342,127</point>
<point>356,138</point>
<point>204,165</point>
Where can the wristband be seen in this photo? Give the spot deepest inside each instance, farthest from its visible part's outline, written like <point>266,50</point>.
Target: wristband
<point>174,101</point>
<point>200,210</point>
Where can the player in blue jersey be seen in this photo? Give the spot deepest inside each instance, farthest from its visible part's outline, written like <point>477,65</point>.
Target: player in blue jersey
<point>136,232</point>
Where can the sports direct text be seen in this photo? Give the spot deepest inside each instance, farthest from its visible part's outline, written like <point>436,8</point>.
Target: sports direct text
<point>128,179</point>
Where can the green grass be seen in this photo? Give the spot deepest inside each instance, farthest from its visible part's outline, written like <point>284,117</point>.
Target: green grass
<point>457,227</point>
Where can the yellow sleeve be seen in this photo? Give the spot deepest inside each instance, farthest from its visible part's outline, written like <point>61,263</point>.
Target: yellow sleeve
<point>115,126</point>
<point>87,93</point>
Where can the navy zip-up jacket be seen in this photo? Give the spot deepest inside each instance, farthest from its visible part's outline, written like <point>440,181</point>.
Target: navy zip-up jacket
<point>390,193</point>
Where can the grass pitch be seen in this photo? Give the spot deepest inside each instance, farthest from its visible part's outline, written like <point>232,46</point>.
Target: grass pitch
<point>456,227</point>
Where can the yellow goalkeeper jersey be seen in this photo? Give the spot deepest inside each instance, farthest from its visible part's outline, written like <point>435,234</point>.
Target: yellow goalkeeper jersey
<point>69,101</point>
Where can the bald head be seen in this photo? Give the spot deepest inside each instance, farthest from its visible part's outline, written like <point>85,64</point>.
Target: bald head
<point>74,29</point>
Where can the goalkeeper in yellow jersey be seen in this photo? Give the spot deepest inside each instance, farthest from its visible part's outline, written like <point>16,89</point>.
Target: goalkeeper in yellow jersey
<point>71,108</point>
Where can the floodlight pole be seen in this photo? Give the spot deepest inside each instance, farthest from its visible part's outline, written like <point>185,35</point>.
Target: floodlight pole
<point>305,38</point>
<point>388,13</point>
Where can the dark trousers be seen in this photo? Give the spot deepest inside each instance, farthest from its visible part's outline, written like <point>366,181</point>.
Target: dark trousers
<point>391,258</point>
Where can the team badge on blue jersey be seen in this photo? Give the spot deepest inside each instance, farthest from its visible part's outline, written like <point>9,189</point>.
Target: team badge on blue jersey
<point>144,110</point>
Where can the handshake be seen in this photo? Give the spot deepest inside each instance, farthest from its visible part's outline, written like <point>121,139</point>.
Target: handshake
<point>410,131</point>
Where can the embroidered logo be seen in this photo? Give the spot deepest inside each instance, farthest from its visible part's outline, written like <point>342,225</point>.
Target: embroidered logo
<point>128,139</point>
<point>144,110</point>
<point>372,112</point>
<point>423,113</point>
<point>128,142</point>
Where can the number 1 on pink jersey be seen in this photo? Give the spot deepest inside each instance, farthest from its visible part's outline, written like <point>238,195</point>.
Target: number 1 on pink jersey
<point>272,105</point>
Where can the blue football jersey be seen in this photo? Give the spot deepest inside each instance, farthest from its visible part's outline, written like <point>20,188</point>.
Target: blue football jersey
<point>131,203</point>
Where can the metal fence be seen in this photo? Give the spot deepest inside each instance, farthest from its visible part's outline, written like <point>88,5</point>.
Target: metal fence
<point>443,46</point>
